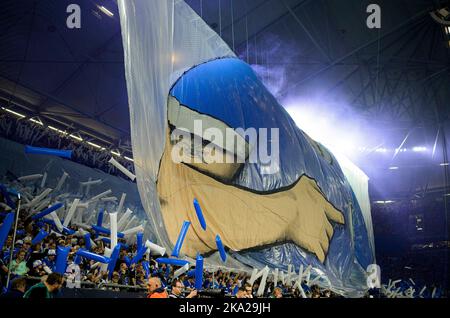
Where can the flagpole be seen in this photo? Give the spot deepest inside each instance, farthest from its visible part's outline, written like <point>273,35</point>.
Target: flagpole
<point>13,241</point>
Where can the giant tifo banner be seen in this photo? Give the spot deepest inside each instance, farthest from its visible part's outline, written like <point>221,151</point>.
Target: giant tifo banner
<point>217,157</point>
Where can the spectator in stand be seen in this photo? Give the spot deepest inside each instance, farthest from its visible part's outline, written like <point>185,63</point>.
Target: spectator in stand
<point>26,247</point>
<point>248,290</point>
<point>37,269</point>
<point>103,277</point>
<point>50,259</point>
<point>234,287</point>
<point>51,245</point>
<point>47,288</point>
<point>178,289</point>
<point>17,247</point>
<point>189,283</point>
<point>7,245</point>
<point>18,287</point>
<point>36,254</point>
<point>155,289</point>
<point>208,282</point>
<point>326,294</point>
<point>73,274</point>
<point>241,293</point>
<point>124,274</point>
<point>315,291</point>
<point>121,260</point>
<point>19,265</point>
<point>61,242</point>
<point>132,272</point>
<point>277,293</point>
<point>115,279</point>
<point>140,280</point>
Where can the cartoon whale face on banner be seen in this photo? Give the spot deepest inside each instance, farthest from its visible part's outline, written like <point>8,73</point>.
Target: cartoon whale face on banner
<point>247,205</point>
<point>274,195</point>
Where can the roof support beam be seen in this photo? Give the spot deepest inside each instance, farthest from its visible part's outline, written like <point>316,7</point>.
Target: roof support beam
<point>421,14</point>
<point>80,68</point>
<point>281,17</point>
<point>77,112</point>
<point>310,36</point>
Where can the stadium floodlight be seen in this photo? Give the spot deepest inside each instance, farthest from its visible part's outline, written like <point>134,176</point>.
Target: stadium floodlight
<point>444,13</point>
<point>441,16</point>
<point>419,149</point>
<point>36,121</point>
<point>106,11</point>
<point>384,202</point>
<point>13,112</point>
<point>57,130</point>
<point>76,137</point>
<point>95,145</point>
<point>393,168</point>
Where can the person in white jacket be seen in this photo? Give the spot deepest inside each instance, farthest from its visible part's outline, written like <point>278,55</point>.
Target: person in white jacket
<point>73,274</point>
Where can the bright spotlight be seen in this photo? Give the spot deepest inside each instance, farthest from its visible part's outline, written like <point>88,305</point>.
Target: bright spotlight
<point>384,202</point>
<point>393,168</point>
<point>106,11</point>
<point>321,125</point>
<point>13,112</point>
<point>419,149</point>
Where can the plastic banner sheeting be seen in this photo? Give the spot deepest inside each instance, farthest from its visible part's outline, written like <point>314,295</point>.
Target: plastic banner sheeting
<point>178,70</point>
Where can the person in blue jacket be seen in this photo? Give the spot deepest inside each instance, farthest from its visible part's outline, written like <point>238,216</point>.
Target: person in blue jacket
<point>50,260</point>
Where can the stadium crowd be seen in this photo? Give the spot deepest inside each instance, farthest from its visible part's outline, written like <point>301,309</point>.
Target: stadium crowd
<point>31,263</point>
<point>34,134</point>
<point>30,268</point>
<point>39,261</point>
